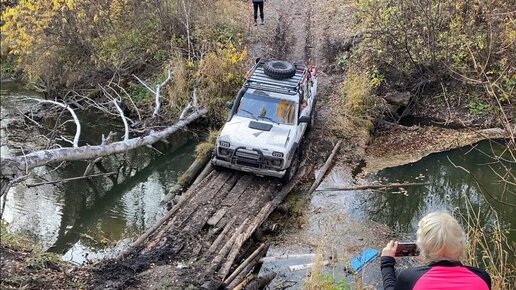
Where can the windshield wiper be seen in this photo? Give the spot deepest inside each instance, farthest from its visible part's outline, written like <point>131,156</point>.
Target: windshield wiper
<point>269,118</point>
<point>252,115</point>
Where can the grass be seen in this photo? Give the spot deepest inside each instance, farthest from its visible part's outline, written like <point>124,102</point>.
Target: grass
<point>204,148</point>
<point>487,246</point>
<point>9,240</point>
<point>319,279</point>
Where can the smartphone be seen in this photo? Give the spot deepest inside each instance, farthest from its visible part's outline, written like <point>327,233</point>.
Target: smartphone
<point>406,249</point>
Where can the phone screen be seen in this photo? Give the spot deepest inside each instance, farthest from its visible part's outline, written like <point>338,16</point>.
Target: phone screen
<point>407,249</point>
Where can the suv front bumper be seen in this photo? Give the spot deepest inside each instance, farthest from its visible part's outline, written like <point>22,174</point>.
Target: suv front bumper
<point>257,171</point>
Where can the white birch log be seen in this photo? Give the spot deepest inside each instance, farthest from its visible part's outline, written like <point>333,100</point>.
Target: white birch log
<point>13,167</point>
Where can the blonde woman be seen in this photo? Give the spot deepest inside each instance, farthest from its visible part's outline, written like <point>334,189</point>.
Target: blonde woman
<point>441,241</point>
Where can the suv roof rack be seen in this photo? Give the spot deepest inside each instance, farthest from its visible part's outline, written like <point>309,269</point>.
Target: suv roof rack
<point>259,80</point>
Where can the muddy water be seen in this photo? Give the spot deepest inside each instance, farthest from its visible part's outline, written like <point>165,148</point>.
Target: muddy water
<point>343,223</point>
<point>88,220</point>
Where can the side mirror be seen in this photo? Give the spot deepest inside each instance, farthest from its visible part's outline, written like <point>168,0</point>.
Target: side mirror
<point>229,104</point>
<point>304,119</point>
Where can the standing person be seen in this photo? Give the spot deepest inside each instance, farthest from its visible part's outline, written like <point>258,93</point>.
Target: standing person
<point>258,4</point>
<point>441,241</point>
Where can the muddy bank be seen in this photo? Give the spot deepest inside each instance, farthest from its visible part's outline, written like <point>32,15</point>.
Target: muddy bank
<point>393,145</point>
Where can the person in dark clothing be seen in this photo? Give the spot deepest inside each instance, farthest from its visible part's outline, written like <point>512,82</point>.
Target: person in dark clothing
<point>441,241</point>
<point>258,4</point>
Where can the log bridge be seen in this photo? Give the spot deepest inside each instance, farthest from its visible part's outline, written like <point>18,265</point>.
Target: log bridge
<point>203,237</point>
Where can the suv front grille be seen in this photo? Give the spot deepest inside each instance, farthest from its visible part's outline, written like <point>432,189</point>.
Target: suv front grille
<point>246,157</point>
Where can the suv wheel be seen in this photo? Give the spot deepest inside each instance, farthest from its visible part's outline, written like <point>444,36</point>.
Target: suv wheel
<point>291,171</point>
<point>312,117</point>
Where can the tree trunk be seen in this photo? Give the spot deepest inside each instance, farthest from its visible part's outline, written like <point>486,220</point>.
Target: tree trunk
<point>14,167</point>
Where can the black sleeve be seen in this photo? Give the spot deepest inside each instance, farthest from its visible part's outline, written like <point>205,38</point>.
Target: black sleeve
<point>388,273</point>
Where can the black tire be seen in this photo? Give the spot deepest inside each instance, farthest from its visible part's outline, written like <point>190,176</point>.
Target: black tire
<point>312,117</point>
<point>279,70</point>
<point>291,171</point>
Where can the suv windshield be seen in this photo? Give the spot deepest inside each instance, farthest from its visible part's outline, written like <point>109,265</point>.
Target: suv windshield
<point>267,108</point>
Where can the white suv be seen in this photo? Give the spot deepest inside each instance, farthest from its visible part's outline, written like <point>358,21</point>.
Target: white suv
<point>267,120</point>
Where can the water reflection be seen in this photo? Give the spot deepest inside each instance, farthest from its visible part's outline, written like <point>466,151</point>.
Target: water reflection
<point>345,222</point>
<point>88,219</point>
<point>449,188</point>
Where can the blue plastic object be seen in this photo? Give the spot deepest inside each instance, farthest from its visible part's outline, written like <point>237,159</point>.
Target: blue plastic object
<point>364,257</point>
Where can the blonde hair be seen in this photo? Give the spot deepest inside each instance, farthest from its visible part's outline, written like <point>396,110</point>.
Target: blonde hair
<point>439,236</point>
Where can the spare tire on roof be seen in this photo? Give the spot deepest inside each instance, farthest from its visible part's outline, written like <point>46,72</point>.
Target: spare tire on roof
<point>279,69</point>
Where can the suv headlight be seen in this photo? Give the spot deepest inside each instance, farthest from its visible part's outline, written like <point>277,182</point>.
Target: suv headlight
<point>224,144</point>
<point>224,151</point>
<point>277,154</point>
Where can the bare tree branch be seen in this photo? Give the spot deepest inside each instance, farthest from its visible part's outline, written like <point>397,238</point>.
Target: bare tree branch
<point>157,93</point>
<point>126,126</point>
<point>77,123</point>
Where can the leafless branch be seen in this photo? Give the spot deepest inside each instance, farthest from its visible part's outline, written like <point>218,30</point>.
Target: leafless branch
<point>126,126</point>
<point>157,93</point>
<point>75,118</point>
<point>143,83</point>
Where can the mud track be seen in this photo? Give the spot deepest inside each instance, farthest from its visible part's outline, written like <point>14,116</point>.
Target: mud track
<point>211,227</point>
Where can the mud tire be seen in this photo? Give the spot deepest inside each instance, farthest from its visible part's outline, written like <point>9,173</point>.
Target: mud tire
<point>279,70</point>
<point>291,171</point>
<point>312,117</point>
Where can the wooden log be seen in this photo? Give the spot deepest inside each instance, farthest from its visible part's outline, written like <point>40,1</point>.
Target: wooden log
<point>325,168</point>
<point>158,223</point>
<point>248,264</point>
<point>207,169</point>
<point>260,282</point>
<point>194,212</point>
<point>373,186</point>
<point>220,237</point>
<point>244,282</point>
<point>217,216</point>
<point>71,179</point>
<point>186,178</point>
<point>226,248</point>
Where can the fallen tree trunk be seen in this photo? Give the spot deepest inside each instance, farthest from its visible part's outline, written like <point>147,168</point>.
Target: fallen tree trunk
<point>186,178</point>
<point>325,168</point>
<point>15,167</point>
<point>207,169</point>
<point>373,186</point>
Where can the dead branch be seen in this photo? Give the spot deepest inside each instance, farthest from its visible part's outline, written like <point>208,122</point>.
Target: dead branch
<point>77,123</point>
<point>70,179</point>
<point>130,99</point>
<point>158,88</point>
<point>126,126</point>
<point>11,167</point>
<point>373,186</point>
<point>480,185</point>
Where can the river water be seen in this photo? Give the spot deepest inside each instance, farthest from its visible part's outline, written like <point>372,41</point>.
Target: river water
<point>342,223</point>
<point>88,220</point>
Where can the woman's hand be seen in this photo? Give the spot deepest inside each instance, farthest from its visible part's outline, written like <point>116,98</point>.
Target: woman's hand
<point>390,249</point>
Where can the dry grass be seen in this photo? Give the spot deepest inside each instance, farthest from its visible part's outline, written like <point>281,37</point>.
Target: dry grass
<point>350,111</point>
<point>486,248</point>
<point>204,148</point>
<point>329,279</point>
